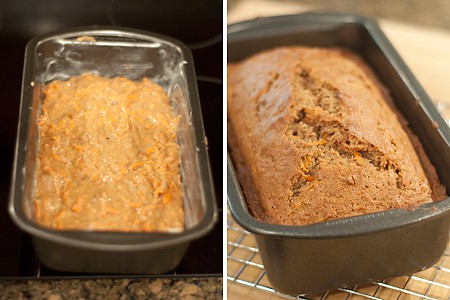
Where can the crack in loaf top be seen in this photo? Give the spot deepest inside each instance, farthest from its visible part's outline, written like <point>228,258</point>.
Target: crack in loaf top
<point>314,137</point>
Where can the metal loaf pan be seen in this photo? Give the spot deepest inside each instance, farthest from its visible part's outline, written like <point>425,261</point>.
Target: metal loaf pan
<point>348,251</point>
<point>135,55</point>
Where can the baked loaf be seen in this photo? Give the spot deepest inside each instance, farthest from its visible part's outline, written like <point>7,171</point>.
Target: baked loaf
<point>108,157</point>
<point>314,137</point>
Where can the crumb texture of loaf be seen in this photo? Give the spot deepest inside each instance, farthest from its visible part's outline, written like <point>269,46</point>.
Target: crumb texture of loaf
<point>107,157</point>
<point>313,137</point>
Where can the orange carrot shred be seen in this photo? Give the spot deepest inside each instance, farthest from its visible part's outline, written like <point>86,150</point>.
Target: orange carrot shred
<point>309,178</point>
<point>136,165</point>
<point>167,198</point>
<point>358,157</point>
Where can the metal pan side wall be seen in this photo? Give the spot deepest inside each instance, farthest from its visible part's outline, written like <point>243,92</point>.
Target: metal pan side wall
<point>298,266</point>
<point>108,252</point>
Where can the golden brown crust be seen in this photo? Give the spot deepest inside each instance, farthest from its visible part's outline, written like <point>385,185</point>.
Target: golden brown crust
<point>313,138</point>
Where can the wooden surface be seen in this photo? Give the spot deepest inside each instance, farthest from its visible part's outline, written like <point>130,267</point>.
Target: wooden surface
<point>427,53</point>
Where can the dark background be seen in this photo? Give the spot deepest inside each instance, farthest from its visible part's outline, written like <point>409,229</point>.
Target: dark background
<point>196,23</point>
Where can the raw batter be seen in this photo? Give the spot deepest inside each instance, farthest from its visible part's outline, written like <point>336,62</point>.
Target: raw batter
<point>108,157</point>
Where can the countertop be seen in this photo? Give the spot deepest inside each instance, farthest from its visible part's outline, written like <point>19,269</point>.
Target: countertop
<point>159,288</point>
<point>421,34</point>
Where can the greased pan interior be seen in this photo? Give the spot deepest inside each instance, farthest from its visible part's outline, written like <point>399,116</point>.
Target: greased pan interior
<point>116,52</point>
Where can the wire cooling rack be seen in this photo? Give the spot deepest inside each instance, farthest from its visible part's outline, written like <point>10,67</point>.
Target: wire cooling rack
<point>245,269</point>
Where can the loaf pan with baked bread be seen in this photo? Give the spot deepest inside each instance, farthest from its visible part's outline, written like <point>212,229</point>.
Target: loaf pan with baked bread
<point>111,53</point>
<point>346,251</point>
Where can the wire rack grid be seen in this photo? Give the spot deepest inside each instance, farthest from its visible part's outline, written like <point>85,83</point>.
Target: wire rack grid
<point>246,269</point>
